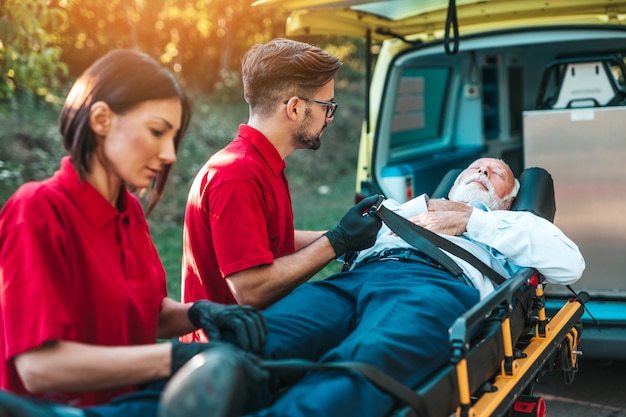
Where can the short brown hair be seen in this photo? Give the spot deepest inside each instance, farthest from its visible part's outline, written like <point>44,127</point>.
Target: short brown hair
<point>280,68</point>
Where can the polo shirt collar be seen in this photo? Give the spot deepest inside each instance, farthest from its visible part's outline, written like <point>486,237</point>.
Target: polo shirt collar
<point>268,152</point>
<point>89,201</point>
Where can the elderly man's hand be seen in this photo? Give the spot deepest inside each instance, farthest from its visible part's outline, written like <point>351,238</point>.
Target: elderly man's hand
<point>452,223</point>
<point>246,322</point>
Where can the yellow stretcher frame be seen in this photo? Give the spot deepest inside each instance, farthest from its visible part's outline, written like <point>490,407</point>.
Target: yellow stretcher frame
<point>523,352</point>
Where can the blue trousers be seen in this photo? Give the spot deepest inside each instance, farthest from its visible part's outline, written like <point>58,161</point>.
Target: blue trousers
<point>391,314</point>
<point>139,404</point>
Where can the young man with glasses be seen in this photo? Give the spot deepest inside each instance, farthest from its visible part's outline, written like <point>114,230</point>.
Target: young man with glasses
<point>239,242</point>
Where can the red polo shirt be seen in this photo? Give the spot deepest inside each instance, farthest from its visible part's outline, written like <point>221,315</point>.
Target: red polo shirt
<point>238,216</point>
<point>74,268</point>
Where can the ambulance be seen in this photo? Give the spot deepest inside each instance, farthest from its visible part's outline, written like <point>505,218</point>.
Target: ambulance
<point>538,83</point>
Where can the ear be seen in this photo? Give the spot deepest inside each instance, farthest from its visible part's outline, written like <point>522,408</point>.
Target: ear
<point>292,108</point>
<point>100,118</point>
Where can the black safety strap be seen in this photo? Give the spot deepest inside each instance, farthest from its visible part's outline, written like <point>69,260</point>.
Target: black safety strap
<point>404,228</point>
<point>432,244</point>
<point>377,377</point>
<point>452,23</point>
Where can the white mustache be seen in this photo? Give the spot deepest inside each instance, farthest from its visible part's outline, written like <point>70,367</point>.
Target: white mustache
<point>466,192</point>
<point>481,179</point>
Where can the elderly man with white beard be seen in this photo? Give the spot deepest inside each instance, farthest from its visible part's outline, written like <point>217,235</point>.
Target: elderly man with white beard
<point>394,306</point>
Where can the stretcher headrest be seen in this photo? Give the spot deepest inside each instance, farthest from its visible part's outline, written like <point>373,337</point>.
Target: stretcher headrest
<point>536,192</point>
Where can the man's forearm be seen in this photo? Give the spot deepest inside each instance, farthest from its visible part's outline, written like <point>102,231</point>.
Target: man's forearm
<point>304,238</point>
<point>263,285</point>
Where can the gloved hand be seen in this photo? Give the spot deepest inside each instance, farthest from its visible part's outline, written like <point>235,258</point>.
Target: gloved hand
<point>183,352</point>
<point>248,323</point>
<point>355,231</point>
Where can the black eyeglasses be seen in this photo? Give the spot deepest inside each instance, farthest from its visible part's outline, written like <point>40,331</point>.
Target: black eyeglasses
<point>331,106</point>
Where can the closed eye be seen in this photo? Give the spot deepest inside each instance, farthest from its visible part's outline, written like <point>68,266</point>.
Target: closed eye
<point>157,133</point>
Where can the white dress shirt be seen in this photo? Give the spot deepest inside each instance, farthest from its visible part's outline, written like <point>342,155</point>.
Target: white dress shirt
<point>505,240</point>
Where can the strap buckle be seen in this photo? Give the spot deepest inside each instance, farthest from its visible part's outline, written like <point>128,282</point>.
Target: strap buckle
<point>374,209</point>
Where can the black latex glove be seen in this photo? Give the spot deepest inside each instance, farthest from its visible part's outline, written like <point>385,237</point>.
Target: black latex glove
<point>355,231</point>
<point>246,322</point>
<point>183,352</point>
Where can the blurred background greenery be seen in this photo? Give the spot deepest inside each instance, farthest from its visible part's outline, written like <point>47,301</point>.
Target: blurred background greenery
<point>45,44</point>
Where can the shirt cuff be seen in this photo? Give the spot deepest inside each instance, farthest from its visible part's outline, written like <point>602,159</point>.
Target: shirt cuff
<point>479,225</point>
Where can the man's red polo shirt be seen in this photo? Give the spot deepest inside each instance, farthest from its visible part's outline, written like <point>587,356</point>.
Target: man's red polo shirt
<point>74,268</point>
<point>238,216</point>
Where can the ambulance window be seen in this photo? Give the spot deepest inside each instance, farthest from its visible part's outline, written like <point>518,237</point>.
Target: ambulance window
<point>516,100</point>
<point>420,102</point>
<point>491,105</point>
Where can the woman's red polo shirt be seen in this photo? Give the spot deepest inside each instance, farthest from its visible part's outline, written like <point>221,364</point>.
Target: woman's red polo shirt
<point>74,268</point>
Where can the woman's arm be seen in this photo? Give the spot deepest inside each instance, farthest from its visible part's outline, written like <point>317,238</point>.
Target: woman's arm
<point>72,367</point>
<point>173,319</point>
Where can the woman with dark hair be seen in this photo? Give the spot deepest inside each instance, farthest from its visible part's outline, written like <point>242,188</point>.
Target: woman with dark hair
<point>121,81</point>
<point>83,296</point>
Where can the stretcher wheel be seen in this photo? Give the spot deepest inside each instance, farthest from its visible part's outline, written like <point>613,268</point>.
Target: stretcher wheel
<point>567,358</point>
<point>569,370</point>
<point>529,406</point>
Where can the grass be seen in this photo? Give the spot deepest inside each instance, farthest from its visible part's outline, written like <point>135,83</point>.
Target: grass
<point>322,182</point>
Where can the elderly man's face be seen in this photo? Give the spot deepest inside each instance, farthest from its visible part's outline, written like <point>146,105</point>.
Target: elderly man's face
<point>488,180</point>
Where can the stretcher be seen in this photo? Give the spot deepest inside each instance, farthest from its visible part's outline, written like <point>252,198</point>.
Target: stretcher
<point>493,374</point>
<point>499,348</point>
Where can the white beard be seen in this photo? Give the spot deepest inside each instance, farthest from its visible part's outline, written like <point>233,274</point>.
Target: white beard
<point>467,191</point>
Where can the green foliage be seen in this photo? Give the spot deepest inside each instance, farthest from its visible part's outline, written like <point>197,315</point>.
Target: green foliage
<point>201,41</point>
<point>29,56</point>
<point>30,144</point>
<point>46,44</point>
